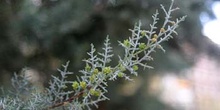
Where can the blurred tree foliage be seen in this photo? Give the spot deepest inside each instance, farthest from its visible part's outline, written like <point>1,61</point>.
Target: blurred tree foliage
<point>43,34</point>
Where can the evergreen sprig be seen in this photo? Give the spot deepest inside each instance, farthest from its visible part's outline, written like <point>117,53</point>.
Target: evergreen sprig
<point>91,87</point>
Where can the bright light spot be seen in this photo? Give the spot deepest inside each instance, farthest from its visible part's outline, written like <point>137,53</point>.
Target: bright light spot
<point>216,9</point>
<point>204,17</point>
<point>211,29</point>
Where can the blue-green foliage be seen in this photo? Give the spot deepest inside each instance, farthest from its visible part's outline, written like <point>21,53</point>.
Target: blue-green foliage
<point>91,87</point>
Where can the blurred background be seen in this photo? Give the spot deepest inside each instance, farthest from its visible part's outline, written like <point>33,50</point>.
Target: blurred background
<point>44,34</point>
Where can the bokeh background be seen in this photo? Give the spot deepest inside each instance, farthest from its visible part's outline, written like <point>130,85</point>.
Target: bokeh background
<point>44,34</point>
